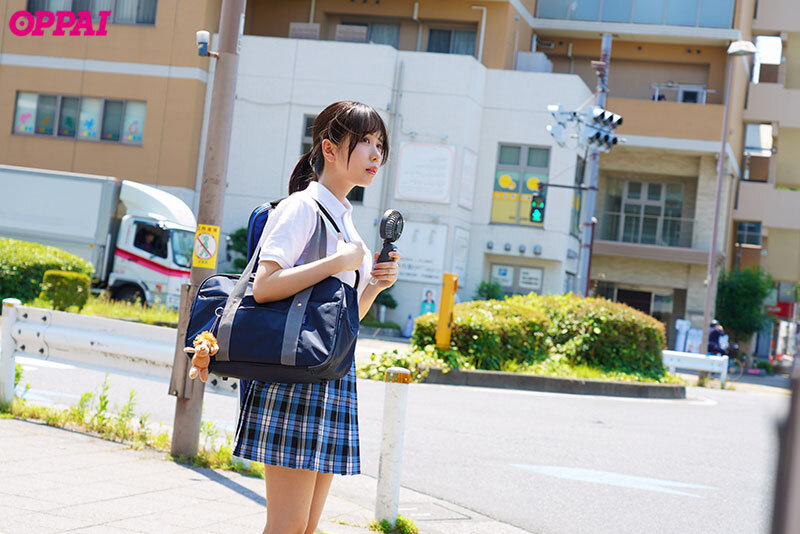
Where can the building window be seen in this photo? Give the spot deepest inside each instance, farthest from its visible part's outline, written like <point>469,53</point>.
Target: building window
<point>452,41</point>
<point>647,213</point>
<point>748,233</point>
<point>702,13</point>
<point>518,192</point>
<point>87,119</point>
<point>380,33</point>
<point>122,11</point>
<point>357,193</point>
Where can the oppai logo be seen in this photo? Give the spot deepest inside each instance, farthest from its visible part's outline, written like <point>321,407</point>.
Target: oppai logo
<point>24,23</point>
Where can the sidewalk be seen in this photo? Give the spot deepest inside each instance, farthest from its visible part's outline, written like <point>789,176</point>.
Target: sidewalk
<point>55,480</point>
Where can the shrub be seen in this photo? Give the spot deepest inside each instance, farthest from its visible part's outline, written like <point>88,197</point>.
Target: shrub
<point>490,331</point>
<point>768,367</point>
<point>601,333</point>
<point>65,289</point>
<point>489,290</point>
<point>23,264</point>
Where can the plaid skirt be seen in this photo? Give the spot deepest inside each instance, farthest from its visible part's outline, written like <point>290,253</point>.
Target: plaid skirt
<point>301,426</point>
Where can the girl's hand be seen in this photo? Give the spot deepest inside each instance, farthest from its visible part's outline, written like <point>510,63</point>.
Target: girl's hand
<point>385,274</point>
<point>351,254</point>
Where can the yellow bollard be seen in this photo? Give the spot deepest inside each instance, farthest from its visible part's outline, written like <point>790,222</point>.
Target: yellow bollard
<point>449,288</point>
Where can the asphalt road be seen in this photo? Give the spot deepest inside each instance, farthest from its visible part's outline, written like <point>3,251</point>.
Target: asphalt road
<point>549,463</point>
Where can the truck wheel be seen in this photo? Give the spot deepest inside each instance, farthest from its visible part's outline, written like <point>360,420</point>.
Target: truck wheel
<point>129,294</point>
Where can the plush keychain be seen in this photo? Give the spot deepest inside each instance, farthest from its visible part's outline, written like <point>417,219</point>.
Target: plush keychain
<point>205,346</point>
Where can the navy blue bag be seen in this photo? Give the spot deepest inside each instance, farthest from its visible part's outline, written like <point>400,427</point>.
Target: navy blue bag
<point>309,337</point>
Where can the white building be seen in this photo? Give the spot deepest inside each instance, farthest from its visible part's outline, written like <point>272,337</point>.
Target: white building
<point>467,147</point>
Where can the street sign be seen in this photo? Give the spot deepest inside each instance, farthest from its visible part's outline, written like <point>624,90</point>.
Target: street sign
<point>206,244</point>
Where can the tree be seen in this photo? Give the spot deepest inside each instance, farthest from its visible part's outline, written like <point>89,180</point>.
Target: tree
<point>740,302</point>
<point>489,290</point>
<point>239,244</point>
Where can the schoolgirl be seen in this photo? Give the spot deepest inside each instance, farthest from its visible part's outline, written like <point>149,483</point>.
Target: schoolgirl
<point>306,433</point>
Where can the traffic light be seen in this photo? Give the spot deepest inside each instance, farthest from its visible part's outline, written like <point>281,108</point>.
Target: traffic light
<point>598,129</point>
<point>537,208</point>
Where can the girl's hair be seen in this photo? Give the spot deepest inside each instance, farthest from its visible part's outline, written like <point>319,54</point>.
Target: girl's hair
<point>338,122</point>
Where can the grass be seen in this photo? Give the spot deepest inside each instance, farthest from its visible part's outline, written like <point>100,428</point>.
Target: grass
<point>103,306</point>
<point>402,525</point>
<point>92,414</point>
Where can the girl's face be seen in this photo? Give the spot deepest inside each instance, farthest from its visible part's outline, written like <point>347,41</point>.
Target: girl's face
<point>364,161</point>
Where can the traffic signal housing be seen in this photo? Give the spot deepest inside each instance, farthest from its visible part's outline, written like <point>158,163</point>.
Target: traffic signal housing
<point>598,128</point>
<point>538,204</point>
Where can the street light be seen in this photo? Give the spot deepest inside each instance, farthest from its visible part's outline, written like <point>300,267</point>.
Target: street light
<point>736,48</point>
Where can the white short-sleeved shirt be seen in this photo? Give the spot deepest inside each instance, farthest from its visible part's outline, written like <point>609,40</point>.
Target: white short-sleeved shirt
<point>291,225</point>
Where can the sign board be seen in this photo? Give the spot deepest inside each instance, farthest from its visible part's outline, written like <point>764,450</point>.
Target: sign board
<point>422,246</point>
<point>693,340</point>
<point>503,274</point>
<point>460,253</point>
<point>206,246</point>
<point>424,172</point>
<point>531,278</point>
<point>469,169</point>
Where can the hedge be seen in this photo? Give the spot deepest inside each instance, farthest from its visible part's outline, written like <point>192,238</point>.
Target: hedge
<point>23,264</point>
<point>65,289</point>
<point>601,333</point>
<point>490,331</point>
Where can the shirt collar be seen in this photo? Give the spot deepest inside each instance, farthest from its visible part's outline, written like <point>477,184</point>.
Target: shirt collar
<point>323,194</point>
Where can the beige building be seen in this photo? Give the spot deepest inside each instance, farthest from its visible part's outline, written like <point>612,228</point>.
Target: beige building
<point>766,220</point>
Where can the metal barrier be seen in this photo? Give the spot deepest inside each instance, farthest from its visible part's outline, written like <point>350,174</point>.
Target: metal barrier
<point>673,359</point>
<point>114,343</point>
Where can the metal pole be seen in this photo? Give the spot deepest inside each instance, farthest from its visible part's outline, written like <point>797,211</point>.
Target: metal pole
<point>7,348</point>
<point>711,274</point>
<point>786,513</point>
<point>391,461</point>
<point>589,269</point>
<point>594,166</point>
<point>189,393</point>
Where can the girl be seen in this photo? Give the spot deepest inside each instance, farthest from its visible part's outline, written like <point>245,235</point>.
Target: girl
<point>304,433</point>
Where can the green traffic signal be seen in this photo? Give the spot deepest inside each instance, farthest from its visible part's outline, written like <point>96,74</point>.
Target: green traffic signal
<point>537,209</point>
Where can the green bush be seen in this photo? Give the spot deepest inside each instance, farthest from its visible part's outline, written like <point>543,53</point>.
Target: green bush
<point>765,365</point>
<point>23,264</point>
<point>490,331</point>
<point>65,289</point>
<point>601,333</point>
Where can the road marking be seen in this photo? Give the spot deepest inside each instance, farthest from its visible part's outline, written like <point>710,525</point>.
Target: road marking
<point>615,479</point>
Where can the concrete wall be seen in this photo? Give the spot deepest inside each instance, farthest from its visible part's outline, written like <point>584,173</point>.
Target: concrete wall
<point>783,255</point>
<point>442,99</point>
<point>788,166</point>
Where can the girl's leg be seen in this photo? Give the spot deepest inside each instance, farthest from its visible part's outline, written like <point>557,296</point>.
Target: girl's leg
<point>323,484</point>
<point>289,497</point>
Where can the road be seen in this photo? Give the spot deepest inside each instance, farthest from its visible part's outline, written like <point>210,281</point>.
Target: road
<point>548,463</point>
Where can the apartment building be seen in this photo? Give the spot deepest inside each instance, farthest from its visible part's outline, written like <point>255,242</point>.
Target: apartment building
<point>127,104</point>
<point>766,222</point>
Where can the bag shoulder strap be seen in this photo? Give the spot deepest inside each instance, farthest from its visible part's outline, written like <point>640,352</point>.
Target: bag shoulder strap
<point>336,227</point>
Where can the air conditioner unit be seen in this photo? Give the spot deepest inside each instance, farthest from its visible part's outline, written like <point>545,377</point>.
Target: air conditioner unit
<point>351,33</point>
<point>304,30</point>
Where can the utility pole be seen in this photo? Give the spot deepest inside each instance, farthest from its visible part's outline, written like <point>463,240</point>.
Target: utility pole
<point>590,197</point>
<point>189,393</point>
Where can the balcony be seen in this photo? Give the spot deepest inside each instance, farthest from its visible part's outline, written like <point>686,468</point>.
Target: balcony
<point>774,207</point>
<point>677,120</point>
<point>771,16</point>
<point>645,229</point>
<point>682,21</point>
<point>772,102</point>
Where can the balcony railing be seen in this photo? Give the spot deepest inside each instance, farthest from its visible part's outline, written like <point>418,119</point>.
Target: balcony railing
<point>646,229</point>
<point>698,13</point>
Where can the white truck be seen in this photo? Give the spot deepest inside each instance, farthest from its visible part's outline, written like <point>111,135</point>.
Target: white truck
<point>138,238</point>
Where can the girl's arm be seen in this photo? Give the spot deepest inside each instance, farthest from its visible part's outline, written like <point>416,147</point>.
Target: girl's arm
<point>385,275</point>
<point>274,283</point>
<point>367,299</point>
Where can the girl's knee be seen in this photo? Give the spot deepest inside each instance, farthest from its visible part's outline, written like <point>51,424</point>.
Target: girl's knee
<point>287,526</point>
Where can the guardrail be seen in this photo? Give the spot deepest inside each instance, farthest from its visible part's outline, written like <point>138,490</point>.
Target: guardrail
<point>673,359</point>
<point>85,339</point>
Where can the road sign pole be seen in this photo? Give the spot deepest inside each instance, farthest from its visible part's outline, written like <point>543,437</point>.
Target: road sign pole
<point>189,393</point>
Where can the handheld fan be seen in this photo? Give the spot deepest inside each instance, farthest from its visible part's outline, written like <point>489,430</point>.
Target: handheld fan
<point>390,230</point>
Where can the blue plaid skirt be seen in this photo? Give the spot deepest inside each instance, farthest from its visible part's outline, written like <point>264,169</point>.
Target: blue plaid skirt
<point>301,426</point>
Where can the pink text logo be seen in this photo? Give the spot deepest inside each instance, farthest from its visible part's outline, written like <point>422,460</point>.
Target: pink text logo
<point>24,23</point>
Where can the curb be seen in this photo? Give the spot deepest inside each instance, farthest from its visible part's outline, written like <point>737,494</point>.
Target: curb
<point>505,380</point>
